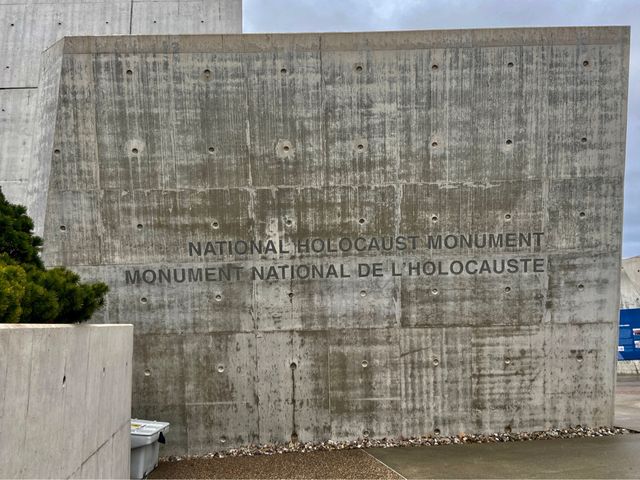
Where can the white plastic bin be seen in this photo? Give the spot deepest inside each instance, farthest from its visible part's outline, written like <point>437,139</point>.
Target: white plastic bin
<point>146,437</point>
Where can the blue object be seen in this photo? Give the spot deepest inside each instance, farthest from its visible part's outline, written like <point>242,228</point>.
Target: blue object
<point>629,337</point>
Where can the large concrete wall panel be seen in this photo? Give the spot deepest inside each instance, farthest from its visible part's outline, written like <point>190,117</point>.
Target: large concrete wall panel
<point>66,404</point>
<point>478,148</point>
<point>33,27</point>
<point>186,17</point>
<point>28,27</point>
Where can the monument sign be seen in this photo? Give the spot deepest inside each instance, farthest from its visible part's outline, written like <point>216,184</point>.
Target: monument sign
<point>343,235</point>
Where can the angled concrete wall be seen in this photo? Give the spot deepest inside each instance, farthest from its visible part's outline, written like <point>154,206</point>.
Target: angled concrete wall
<point>399,149</point>
<point>65,406</point>
<point>28,27</point>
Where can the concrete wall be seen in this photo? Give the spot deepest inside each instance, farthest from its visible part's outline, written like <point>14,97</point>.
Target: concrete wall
<point>65,401</point>
<point>163,141</point>
<point>27,27</point>
<point>630,283</point>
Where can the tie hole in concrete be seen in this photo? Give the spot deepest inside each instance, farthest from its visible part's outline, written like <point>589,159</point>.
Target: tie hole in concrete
<point>143,300</point>
<point>215,224</point>
<point>56,151</point>
<point>365,364</point>
<point>581,287</point>
<point>436,431</point>
<point>129,72</point>
<point>507,361</point>
<point>361,221</point>
<point>586,63</point>
<point>223,439</point>
<point>507,216</point>
<point>509,141</point>
<point>293,366</point>
<point>510,64</point>
<point>583,139</point>
<point>212,150</point>
<point>220,368</point>
<point>134,151</point>
<point>366,433</point>
<point>358,67</point>
<point>435,362</point>
<point>363,293</point>
<point>434,66</point>
<point>434,218</point>
<point>507,289</point>
<point>434,144</point>
<point>147,373</point>
<point>283,71</point>
<point>218,298</point>
<point>139,226</point>
<point>582,214</point>
<point>579,358</point>
<point>434,291</point>
<point>63,228</point>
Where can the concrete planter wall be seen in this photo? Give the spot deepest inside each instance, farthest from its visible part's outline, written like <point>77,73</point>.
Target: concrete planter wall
<point>65,401</point>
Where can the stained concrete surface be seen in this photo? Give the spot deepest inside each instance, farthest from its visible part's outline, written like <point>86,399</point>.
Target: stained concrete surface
<point>31,26</point>
<point>160,142</point>
<point>603,457</point>
<point>600,457</point>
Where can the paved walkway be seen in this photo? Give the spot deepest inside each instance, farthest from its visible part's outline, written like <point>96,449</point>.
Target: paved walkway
<point>356,464</point>
<point>604,457</point>
<point>628,402</point>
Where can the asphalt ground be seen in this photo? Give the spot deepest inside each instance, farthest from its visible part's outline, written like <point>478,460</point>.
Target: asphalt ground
<point>351,464</point>
<point>596,457</point>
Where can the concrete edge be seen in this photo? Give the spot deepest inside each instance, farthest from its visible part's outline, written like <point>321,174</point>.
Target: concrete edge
<point>391,40</point>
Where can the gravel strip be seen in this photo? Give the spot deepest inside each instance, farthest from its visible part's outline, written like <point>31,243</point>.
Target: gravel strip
<point>325,464</point>
<point>331,445</point>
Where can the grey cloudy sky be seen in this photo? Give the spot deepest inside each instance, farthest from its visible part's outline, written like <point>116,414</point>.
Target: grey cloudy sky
<point>358,15</point>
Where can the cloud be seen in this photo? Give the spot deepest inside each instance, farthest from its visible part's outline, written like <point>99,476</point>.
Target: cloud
<point>364,15</point>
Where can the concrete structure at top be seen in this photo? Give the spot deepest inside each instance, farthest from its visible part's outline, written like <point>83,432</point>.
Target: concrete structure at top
<point>27,27</point>
<point>342,235</point>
